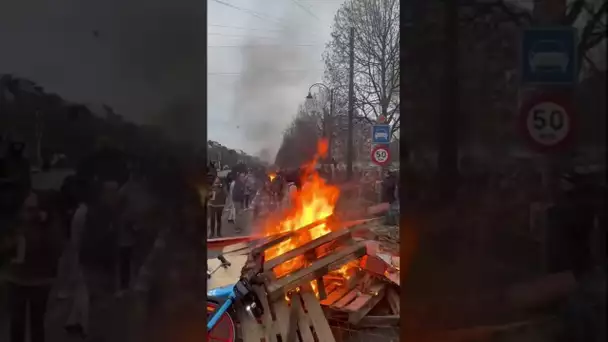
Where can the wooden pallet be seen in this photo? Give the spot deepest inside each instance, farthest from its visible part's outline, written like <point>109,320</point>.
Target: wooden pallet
<point>299,320</point>
<point>342,249</point>
<point>356,302</point>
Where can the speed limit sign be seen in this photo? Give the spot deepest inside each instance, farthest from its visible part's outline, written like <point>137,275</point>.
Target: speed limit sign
<point>547,122</point>
<point>380,155</point>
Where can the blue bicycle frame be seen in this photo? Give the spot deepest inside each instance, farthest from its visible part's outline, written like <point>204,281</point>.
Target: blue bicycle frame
<point>226,292</point>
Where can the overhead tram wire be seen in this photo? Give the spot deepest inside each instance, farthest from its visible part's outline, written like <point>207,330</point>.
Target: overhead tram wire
<point>239,35</point>
<point>246,28</point>
<point>282,71</point>
<point>257,29</point>
<point>258,15</point>
<point>306,9</point>
<point>264,46</point>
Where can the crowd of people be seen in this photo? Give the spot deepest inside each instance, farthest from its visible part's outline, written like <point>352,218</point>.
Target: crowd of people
<point>84,240</point>
<point>268,190</point>
<point>231,197</point>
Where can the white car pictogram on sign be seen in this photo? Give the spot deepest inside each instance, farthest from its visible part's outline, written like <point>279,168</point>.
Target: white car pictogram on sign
<point>383,135</point>
<point>548,55</point>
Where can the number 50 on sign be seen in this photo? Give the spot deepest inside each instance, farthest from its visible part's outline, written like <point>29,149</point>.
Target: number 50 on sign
<point>380,155</point>
<point>547,122</point>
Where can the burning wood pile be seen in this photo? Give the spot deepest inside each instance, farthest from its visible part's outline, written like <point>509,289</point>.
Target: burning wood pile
<point>317,266</point>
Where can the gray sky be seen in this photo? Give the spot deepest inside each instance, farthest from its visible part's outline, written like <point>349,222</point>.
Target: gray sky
<point>254,90</point>
<point>148,60</point>
<point>146,55</point>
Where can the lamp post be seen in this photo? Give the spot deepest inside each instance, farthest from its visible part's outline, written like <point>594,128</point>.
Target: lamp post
<point>326,133</point>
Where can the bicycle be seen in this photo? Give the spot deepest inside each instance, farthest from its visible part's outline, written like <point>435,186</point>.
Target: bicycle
<point>221,313</point>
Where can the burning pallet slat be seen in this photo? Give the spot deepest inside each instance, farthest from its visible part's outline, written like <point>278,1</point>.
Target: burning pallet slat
<point>300,319</point>
<point>278,288</point>
<point>341,235</point>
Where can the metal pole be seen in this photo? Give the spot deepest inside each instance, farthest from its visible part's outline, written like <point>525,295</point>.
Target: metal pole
<point>329,123</point>
<point>351,99</point>
<point>548,12</point>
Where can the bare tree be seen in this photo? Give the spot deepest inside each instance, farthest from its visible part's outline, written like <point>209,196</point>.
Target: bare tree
<point>296,148</point>
<point>377,73</point>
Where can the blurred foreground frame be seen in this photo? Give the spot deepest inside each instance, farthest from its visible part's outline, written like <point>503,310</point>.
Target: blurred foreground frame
<point>460,90</point>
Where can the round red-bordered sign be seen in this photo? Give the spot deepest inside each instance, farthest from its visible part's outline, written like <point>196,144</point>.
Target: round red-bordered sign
<point>546,122</point>
<point>380,155</point>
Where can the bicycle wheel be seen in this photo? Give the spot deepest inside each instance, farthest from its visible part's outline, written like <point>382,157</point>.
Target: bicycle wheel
<point>224,330</point>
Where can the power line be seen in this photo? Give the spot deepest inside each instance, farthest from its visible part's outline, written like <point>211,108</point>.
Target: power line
<point>256,29</point>
<point>246,28</point>
<point>306,9</point>
<point>238,35</point>
<point>269,70</point>
<point>248,11</point>
<point>263,45</point>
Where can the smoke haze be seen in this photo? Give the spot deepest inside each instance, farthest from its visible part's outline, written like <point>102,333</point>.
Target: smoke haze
<point>273,80</point>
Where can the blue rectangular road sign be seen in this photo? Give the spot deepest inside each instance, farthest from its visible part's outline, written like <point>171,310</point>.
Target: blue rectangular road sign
<point>381,134</point>
<point>549,55</point>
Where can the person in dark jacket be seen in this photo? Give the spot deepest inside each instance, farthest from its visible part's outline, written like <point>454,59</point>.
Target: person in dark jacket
<point>217,201</point>
<point>38,246</point>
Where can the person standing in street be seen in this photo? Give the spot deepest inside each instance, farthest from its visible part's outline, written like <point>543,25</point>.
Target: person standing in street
<point>217,201</point>
<point>389,187</point>
<point>238,199</point>
<point>230,203</point>
<point>249,189</point>
<point>39,244</point>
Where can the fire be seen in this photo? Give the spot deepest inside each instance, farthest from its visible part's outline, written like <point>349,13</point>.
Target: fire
<point>272,176</point>
<point>315,200</point>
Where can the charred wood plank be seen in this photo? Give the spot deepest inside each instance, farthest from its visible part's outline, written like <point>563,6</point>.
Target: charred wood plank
<point>318,268</point>
<point>337,235</point>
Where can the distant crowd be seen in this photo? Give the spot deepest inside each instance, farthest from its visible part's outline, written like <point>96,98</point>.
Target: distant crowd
<point>86,238</point>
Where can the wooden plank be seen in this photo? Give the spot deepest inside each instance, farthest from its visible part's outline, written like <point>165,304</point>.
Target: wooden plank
<point>379,321</point>
<point>304,321</point>
<point>282,318</point>
<point>394,300</point>
<point>292,328</point>
<point>379,289</point>
<point>321,288</point>
<point>320,267</point>
<point>267,321</point>
<point>334,296</point>
<point>358,303</point>
<point>317,316</point>
<point>349,297</point>
<point>338,235</point>
<point>276,239</point>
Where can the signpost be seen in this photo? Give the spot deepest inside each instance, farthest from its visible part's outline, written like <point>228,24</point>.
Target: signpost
<point>549,63</point>
<point>546,122</point>
<point>380,155</point>
<point>381,134</point>
<point>548,55</point>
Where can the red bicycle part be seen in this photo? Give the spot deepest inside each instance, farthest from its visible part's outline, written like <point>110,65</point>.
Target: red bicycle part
<point>224,330</point>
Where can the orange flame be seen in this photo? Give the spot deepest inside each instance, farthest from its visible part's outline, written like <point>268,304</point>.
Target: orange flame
<point>272,176</point>
<point>315,200</point>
